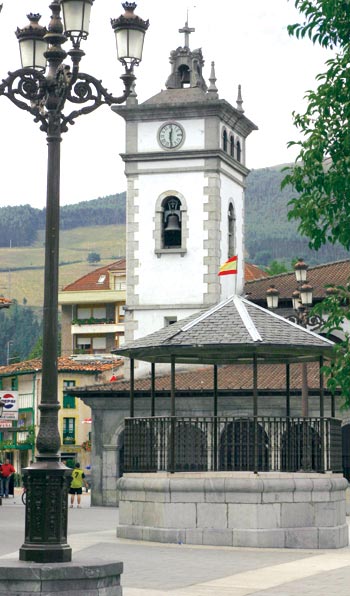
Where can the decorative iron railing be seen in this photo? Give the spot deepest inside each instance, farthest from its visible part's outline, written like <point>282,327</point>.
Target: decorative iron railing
<point>189,444</point>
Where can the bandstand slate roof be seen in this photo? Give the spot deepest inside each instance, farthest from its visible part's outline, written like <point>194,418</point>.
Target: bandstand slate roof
<point>232,331</point>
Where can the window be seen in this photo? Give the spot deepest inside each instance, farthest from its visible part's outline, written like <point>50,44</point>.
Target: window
<point>231,231</point>
<point>169,321</point>
<point>224,140</point>
<point>99,345</point>
<point>121,313</point>
<point>83,344</point>
<point>99,312</point>
<point>85,313</point>
<point>91,345</point>
<point>119,283</point>
<point>119,339</point>
<point>232,146</point>
<point>69,431</point>
<point>171,223</point>
<point>239,151</point>
<point>68,400</point>
<point>14,383</point>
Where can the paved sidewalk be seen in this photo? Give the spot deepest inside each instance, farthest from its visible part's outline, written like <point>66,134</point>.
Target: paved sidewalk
<point>152,569</point>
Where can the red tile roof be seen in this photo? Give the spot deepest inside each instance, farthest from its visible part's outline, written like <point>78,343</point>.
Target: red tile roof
<point>90,281</point>
<point>252,272</point>
<point>65,364</point>
<point>319,277</point>
<point>233,377</point>
<point>4,302</point>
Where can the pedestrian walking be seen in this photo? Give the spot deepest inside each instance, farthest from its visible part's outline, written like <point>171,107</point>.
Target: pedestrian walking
<point>76,485</point>
<point>6,471</point>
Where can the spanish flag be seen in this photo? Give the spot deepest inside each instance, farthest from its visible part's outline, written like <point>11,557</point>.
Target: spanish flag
<point>230,267</point>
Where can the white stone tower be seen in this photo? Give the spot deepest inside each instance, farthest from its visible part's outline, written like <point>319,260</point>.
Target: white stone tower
<point>185,166</point>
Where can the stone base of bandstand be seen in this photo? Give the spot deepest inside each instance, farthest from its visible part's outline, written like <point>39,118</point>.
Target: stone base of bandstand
<point>240,509</point>
<point>97,578</point>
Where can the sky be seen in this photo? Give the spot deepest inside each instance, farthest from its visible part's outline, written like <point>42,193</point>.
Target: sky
<point>247,40</point>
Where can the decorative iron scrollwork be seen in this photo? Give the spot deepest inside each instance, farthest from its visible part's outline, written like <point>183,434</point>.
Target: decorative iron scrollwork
<point>30,90</point>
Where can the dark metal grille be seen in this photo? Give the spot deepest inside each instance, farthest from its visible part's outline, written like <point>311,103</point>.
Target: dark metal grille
<point>228,443</point>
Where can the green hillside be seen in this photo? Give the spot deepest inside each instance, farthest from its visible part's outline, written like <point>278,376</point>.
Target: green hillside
<point>99,226</point>
<point>268,234</point>
<point>22,268</point>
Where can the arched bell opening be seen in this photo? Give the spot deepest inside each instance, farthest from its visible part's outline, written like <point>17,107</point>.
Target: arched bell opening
<point>172,223</point>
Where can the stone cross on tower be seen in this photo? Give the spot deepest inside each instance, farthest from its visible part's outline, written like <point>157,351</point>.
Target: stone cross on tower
<point>187,30</point>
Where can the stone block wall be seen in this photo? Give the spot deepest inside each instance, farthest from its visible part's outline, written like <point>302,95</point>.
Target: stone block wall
<point>303,510</point>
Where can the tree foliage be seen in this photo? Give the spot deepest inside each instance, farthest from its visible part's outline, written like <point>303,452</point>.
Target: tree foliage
<point>93,257</point>
<point>276,267</point>
<point>321,173</point>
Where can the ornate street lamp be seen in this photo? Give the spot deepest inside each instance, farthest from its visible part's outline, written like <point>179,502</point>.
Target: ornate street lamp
<point>302,299</point>
<point>45,87</point>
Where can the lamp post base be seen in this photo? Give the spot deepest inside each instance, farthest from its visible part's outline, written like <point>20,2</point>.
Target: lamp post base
<point>46,513</point>
<point>45,553</point>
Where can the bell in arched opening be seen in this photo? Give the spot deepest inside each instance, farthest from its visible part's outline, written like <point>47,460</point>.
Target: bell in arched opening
<point>172,223</point>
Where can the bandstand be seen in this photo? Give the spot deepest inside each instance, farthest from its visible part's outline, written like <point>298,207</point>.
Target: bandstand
<point>254,481</point>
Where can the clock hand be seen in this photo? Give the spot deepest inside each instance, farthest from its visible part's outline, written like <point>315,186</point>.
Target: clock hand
<point>171,137</point>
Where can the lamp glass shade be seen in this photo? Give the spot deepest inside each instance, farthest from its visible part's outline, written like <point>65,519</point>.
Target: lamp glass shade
<point>306,296</point>
<point>32,53</point>
<point>272,300</point>
<point>296,301</point>
<point>76,16</point>
<point>300,271</point>
<point>129,44</point>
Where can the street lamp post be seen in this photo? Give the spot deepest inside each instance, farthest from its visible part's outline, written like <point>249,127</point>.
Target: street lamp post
<point>45,87</point>
<point>302,300</point>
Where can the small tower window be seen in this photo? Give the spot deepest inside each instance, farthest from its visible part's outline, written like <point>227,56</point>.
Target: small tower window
<point>171,223</point>
<point>224,140</point>
<point>239,151</point>
<point>232,146</point>
<point>185,76</point>
<point>231,231</point>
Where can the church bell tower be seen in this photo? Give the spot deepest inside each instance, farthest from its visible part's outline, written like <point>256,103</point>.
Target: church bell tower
<point>185,167</point>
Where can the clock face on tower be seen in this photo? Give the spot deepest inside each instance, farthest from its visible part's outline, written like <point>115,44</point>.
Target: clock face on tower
<point>171,135</point>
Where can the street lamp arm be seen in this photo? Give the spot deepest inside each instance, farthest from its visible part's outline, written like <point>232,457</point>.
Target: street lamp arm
<point>25,88</point>
<point>30,90</point>
<point>89,90</point>
<point>306,320</point>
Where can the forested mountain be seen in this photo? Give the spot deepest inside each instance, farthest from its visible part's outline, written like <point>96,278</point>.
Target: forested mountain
<point>99,212</point>
<point>19,332</point>
<point>268,233</point>
<point>19,226</point>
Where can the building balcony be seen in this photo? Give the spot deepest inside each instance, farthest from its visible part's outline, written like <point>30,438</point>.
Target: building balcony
<point>87,328</point>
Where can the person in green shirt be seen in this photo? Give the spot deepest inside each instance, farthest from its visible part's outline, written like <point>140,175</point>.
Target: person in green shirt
<point>76,485</point>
